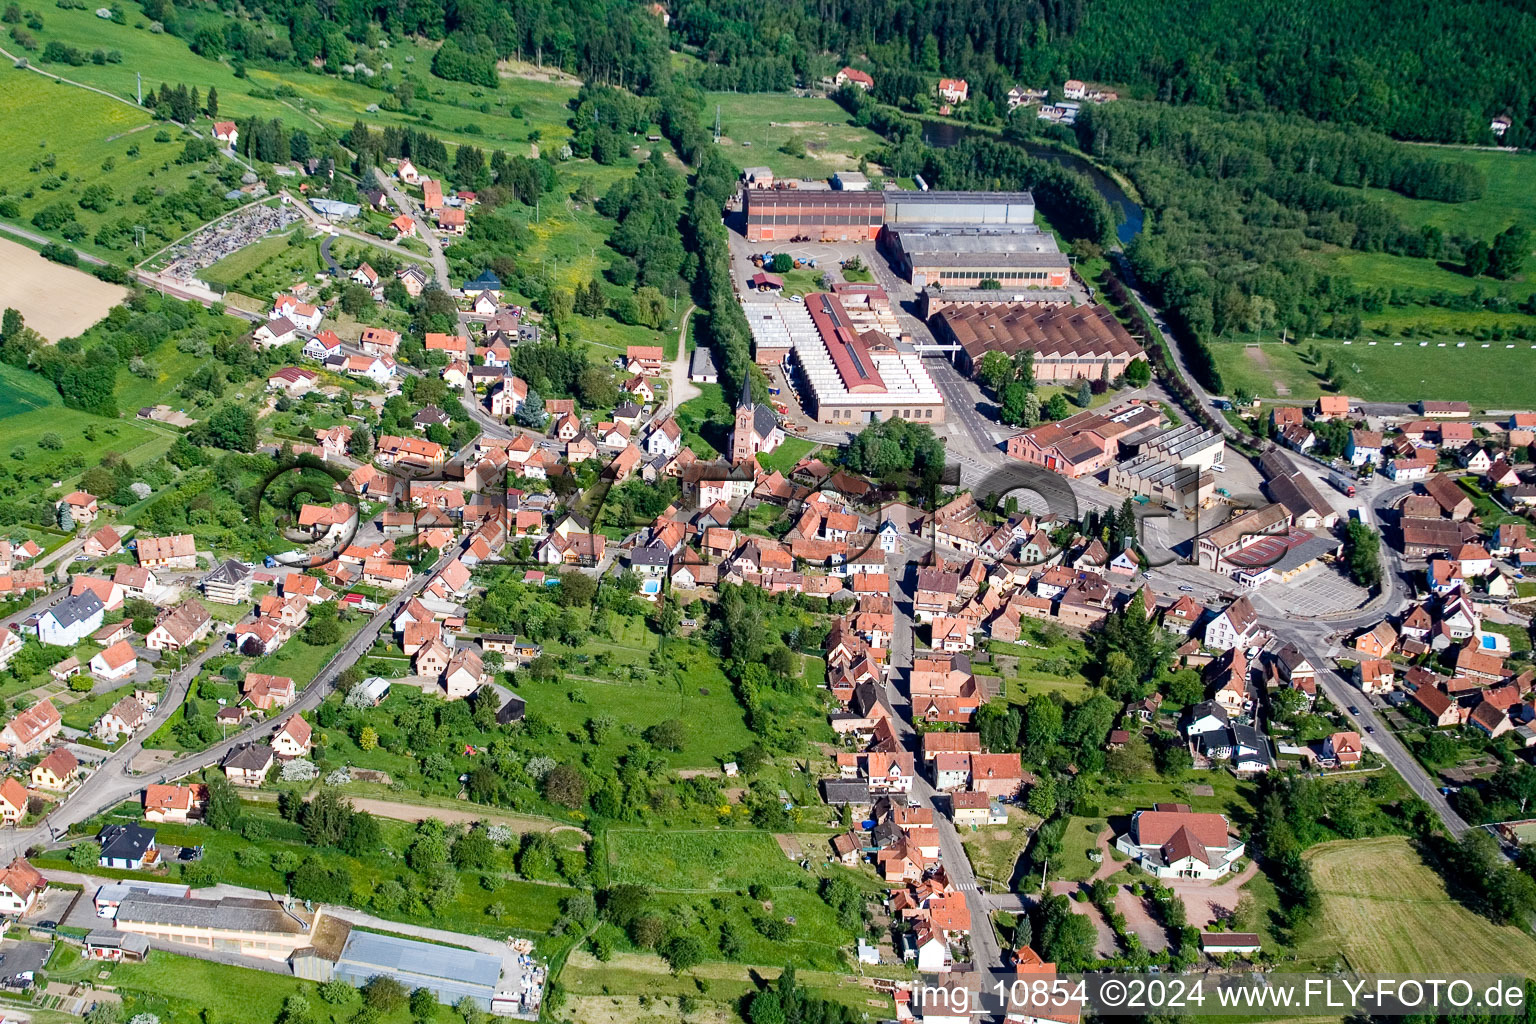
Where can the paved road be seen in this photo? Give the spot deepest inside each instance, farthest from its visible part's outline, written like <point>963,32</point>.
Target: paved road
<point>984,946</point>
<point>111,784</point>
<point>406,205</point>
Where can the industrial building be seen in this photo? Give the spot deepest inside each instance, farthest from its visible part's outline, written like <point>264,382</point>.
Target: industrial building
<point>449,974</point>
<point>1167,483</point>
<point>264,929</point>
<point>960,209</point>
<point>845,376</point>
<point>1187,444</point>
<point>1014,257</point>
<point>821,216</point>
<point>1069,342</point>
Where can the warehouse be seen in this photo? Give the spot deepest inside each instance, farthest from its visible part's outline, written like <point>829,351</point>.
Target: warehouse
<point>1024,257</point>
<point>264,929</point>
<point>959,209</point>
<point>1187,444</point>
<point>448,973</point>
<point>820,216</point>
<point>842,376</point>
<point>1166,483</point>
<point>774,324</point>
<point>1069,342</point>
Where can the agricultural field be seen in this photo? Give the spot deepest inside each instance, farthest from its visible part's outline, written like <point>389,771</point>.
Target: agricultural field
<point>757,129</point>
<point>56,301</point>
<point>1380,901</point>
<point>694,861</point>
<point>1489,375</point>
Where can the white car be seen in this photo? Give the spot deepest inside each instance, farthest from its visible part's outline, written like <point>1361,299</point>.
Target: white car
<point>796,298</point>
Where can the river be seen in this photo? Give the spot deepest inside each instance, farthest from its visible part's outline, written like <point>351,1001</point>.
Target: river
<point>1129,214</point>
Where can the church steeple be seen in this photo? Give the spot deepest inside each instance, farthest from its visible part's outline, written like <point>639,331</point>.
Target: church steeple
<point>745,401</point>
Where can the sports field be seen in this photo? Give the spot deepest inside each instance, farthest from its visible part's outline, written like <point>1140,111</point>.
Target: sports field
<point>1389,913</point>
<point>694,861</point>
<point>56,301</point>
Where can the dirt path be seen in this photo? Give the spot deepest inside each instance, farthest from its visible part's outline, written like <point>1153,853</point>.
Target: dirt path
<point>1108,865</point>
<point>679,388</point>
<point>455,816</point>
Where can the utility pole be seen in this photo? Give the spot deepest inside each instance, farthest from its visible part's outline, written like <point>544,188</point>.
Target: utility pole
<point>140,76</point>
<point>717,124</point>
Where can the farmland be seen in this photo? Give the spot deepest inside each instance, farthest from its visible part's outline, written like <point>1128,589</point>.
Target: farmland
<point>756,129</point>
<point>1380,901</point>
<point>57,301</point>
<point>1489,375</point>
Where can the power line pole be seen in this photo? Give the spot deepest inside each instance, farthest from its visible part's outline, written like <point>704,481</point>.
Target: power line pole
<point>717,124</point>
<point>140,76</point>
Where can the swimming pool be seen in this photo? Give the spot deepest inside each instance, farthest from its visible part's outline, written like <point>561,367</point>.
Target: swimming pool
<point>1489,643</point>
<point>650,588</point>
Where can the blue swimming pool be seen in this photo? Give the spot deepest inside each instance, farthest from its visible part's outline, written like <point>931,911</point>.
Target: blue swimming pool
<point>1489,643</point>
<point>650,587</point>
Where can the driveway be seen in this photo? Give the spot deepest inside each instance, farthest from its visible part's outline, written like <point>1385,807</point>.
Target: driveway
<point>1207,903</point>
<point>1139,920</point>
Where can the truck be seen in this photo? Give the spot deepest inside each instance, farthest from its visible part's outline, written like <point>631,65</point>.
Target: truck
<point>1344,484</point>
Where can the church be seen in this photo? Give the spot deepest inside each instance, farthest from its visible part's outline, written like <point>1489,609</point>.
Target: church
<point>757,427</point>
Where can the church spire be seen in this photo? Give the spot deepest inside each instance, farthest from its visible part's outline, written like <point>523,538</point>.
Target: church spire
<point>745,401</point>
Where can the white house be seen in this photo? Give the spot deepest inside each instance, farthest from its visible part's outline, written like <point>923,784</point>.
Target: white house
<point>116,663</point>
<point>71,620</point>
<point>408,173</point>
<point>323,346</point>
<point>1171,841</point>
<point>277,331</point>
<point>1234,627</point>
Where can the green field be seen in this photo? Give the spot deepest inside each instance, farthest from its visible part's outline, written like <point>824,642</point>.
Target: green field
<point>754,127</point>
<point>694,861</point>
<point>1392,370</point>
<point>1508,200</point>
<point>1381,901</point>
<point>317,99</point>
<point>1417,277</point>
<point>30,408</point>
<point>786,455</point>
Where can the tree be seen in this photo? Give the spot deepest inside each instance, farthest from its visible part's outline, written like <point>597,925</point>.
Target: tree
<point>995,369</point>
<point>368,739</point>
<point>1363,553</point>
<point>384,993</point>
<point>682,951</point>
<point>84,856</point>
<point>1477,260</point>
<point>1139,373</point>
<point>224,809</point>
<point>211,104</point>
<point>782,263</point>
<point>1057,408</point>
<point>1509,251</point>
<point>565,785</point>
<point>1084,393</point>
<point>531,413</point>
<point>423,1004</point>
<point>669,734</point>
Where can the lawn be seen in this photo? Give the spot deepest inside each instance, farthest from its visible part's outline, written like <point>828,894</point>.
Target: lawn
<point>706,421</point>
<point>82,714</point>
<point>786,455</point>
<point>694,860</point>
<point>714,725</point>
<point>274,256</point>
<point>755,128</point>
<point>994,849</point>
<point>1049,660</point>
<point>1381,901</point>
<point>1489,375</point>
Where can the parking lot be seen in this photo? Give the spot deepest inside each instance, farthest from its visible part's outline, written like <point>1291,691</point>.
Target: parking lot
<point>1318,591</point>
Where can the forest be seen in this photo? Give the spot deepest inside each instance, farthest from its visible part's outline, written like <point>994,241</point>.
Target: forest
<point>1240,201</point>
<point>1441,72</point>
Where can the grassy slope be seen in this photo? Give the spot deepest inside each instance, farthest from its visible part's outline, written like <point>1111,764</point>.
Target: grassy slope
<point>1508,200</point>
<point>832,141</point>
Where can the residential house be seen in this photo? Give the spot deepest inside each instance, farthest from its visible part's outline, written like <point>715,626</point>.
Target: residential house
<point>248,765</point>
<point>31,730</point>
<point>124,718</point>
<point>1171,841</point>
<point>82,507</point>
<point>293,738</point>
<point>1236,625</point>
<point>56,772</point>
<point>267,692</point>
<point>126,847</point>
<point>71,620</point>
<point>188,623</point>
<point>174,552</point>
<point>115,663</point>
<point>102,543</point>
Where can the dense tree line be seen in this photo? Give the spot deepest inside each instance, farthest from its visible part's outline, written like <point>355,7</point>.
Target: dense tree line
<point>1236,203</point>
<point>1439,74</point>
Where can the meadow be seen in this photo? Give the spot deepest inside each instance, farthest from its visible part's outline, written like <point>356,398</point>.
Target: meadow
<point>1381,902</point>
<point>755,128</point>
<point>1489,375</point>
<point>1507,200</point>
<point>459,113</point>
<point>85,139</point>
<point>694,861</point>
